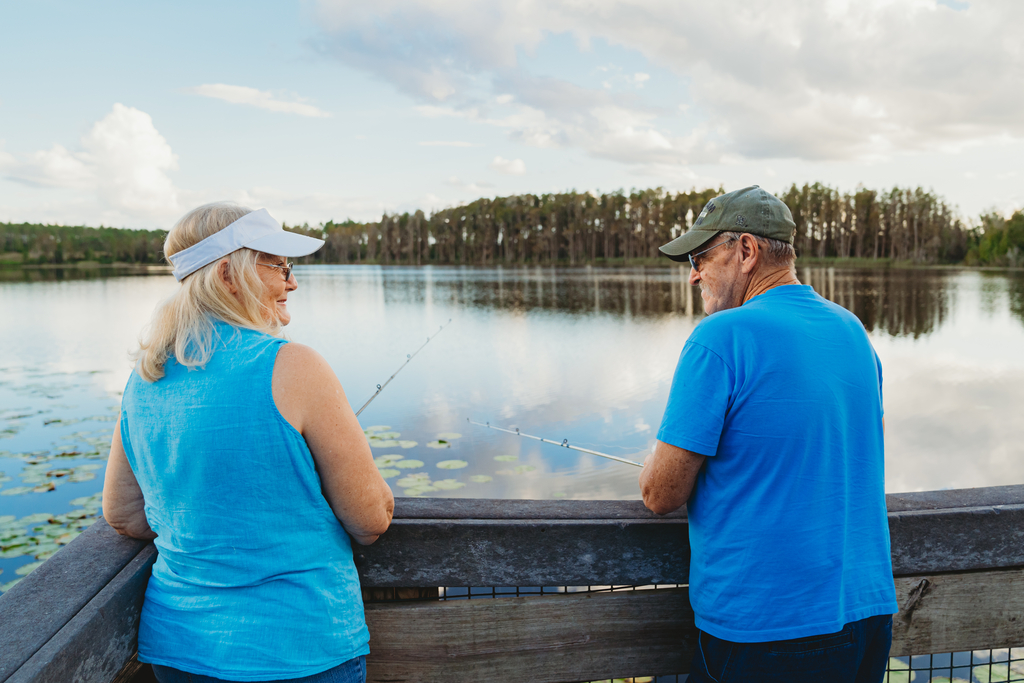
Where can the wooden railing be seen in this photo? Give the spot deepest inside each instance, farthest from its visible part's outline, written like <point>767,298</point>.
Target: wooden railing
<point>957,559</point>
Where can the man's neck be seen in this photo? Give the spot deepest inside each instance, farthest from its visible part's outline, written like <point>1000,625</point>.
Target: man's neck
<point>762,282</point>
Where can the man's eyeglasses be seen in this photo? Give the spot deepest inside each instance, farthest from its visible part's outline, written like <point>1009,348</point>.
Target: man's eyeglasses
<point>695,258</point>
<point>287,268</point>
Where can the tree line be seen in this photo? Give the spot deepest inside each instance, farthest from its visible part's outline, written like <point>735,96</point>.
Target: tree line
<point>901,224</point>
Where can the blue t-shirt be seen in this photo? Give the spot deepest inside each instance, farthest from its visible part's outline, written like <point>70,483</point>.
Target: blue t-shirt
<point>788,529</point>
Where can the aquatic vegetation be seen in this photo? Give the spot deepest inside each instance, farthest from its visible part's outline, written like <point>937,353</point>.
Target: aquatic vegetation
<point>385,460</point>
<point>407,444</point>
<point>481,478</point>
<point>520,469</point>
<point>448,485</point>
<point>42,534</point>
<point>387,472</point>
<point>452,464</point>
<point>449,436</point>
<point>439,444</point>
<point>409,464</point>
<point>559,494</point>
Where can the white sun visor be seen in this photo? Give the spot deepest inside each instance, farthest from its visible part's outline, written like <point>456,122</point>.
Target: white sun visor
<point>258,231</point>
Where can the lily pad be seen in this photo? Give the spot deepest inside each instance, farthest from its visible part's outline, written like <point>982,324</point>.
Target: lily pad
<point>8,586</point>
<point>387,472</point>
<point>409,464</point>
<point>383,443</point>
<point>448,485</point>
<point>386,435</point>
<point>452,464</point>
<point>11,553</point>
<point>385,460</point>
<point>523,469</point>
<point>419,490</point>
<point>16,491</point>
<point>449,436</point>
<point>481,478</point>
<point>417,479</point>
<point>407,444</point>
<point>439,444</point>
<point>559,494</point>
<point>85,500</point>
<point>27,568</point>
<point>378,428</point>
<point>506,458</point>
<point>36,518</point>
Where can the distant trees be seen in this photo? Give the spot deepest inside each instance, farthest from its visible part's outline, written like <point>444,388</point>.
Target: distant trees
<point>574,228</point>
<point>998,241</point>
<point>56,244</point>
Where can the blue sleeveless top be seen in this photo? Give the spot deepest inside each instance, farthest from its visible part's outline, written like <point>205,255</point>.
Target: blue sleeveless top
<point>255,579</point>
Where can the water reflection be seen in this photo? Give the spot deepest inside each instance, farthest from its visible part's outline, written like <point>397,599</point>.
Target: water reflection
<point>897,302</point>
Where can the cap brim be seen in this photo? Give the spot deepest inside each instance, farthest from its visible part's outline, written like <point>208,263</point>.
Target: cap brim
<point>286,243</point>
<point>680,248</point>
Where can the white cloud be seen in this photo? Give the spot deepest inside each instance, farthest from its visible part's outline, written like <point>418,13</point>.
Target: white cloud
<point>474,188</point>
<point>838,80</point>
<point>508,167</point>
<point>238,94</point>
<point>446,143</point>
<point>123,162</point>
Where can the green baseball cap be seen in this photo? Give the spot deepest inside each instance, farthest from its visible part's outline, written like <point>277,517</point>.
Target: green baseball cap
<point>748,210</point>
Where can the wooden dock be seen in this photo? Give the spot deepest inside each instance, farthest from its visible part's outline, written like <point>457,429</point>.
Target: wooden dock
<point>958,563</point>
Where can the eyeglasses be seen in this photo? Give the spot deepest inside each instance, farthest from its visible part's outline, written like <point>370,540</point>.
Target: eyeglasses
<point>287,268</point>
<point>695,263</point>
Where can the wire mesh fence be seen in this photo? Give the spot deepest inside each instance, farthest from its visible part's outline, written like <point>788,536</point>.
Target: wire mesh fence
<point>1004,665</point>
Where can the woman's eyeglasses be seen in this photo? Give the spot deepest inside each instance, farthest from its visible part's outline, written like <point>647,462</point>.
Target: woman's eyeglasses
<point>695,258</point>
<point>287,268</point>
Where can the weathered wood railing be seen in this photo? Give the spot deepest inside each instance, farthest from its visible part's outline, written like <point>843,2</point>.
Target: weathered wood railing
<point>957,558</point>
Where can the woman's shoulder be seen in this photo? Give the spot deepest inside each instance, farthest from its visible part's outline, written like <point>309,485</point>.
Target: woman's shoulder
<point>298,362</point>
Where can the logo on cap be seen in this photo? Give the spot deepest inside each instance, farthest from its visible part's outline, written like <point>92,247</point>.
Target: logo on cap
<point>709,209</point>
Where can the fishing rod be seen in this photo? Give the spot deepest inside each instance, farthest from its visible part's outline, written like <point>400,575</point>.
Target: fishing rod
<point>564,444</point>
<point>408,358</point>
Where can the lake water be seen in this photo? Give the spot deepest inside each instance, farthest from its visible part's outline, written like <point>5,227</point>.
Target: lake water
<point>582,354</point>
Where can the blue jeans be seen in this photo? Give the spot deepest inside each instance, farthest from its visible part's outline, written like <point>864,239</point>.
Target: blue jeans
<point>857,654</point>
<point>352,671</point>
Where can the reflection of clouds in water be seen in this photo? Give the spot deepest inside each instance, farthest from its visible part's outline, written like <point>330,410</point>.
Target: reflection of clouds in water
<point>583,354</point>
<point>954,430</point>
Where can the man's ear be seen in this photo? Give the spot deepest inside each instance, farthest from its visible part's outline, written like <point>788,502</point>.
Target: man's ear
<point>750,253</point>
<point>224,271</point>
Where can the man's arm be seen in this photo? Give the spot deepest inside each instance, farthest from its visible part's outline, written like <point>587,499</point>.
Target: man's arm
<point>666,481</point>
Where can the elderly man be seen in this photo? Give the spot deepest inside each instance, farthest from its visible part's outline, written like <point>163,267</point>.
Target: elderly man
<point>773,436</point>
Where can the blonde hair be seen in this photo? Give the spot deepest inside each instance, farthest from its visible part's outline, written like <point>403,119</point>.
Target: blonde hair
<point>182,326</point>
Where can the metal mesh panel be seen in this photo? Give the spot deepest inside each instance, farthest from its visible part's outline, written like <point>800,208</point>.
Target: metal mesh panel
<point>980,666</point>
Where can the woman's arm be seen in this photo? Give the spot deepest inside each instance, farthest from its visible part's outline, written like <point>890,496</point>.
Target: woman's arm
<point>310,397</point>
<point>123,504</point>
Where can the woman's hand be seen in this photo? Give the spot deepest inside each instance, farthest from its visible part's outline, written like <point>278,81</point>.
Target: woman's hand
<point>123,503</point>
<point>310,397</point>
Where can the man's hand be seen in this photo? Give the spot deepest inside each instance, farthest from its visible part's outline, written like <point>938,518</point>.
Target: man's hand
<point>667,478</point>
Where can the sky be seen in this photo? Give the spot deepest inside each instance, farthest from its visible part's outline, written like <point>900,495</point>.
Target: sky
<point>130,114</point>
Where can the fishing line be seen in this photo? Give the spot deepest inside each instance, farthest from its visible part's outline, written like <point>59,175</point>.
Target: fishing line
<point>408,358</point>
<point>563,444</point>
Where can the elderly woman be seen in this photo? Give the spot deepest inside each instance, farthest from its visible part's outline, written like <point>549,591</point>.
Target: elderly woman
<point>240,455</point>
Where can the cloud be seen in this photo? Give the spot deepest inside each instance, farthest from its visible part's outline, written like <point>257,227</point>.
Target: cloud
<point>238,94</point>
<point>480,188</point>
<point>508,167</point>
<point>837,80</point>
<point>123,162</point>
<point>446,143</point>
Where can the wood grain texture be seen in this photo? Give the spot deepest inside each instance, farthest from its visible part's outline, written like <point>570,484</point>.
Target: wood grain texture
<point>959,612</point>
<point>48,598</point>
<point>96,644</point>
<point>574,637</point>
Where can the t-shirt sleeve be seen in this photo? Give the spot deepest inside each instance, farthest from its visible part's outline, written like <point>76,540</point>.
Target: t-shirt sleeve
<point>698,401</point>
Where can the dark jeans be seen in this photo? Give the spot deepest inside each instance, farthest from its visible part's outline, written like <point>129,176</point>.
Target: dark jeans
<point>352,671</point>
<point>857,654</point>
